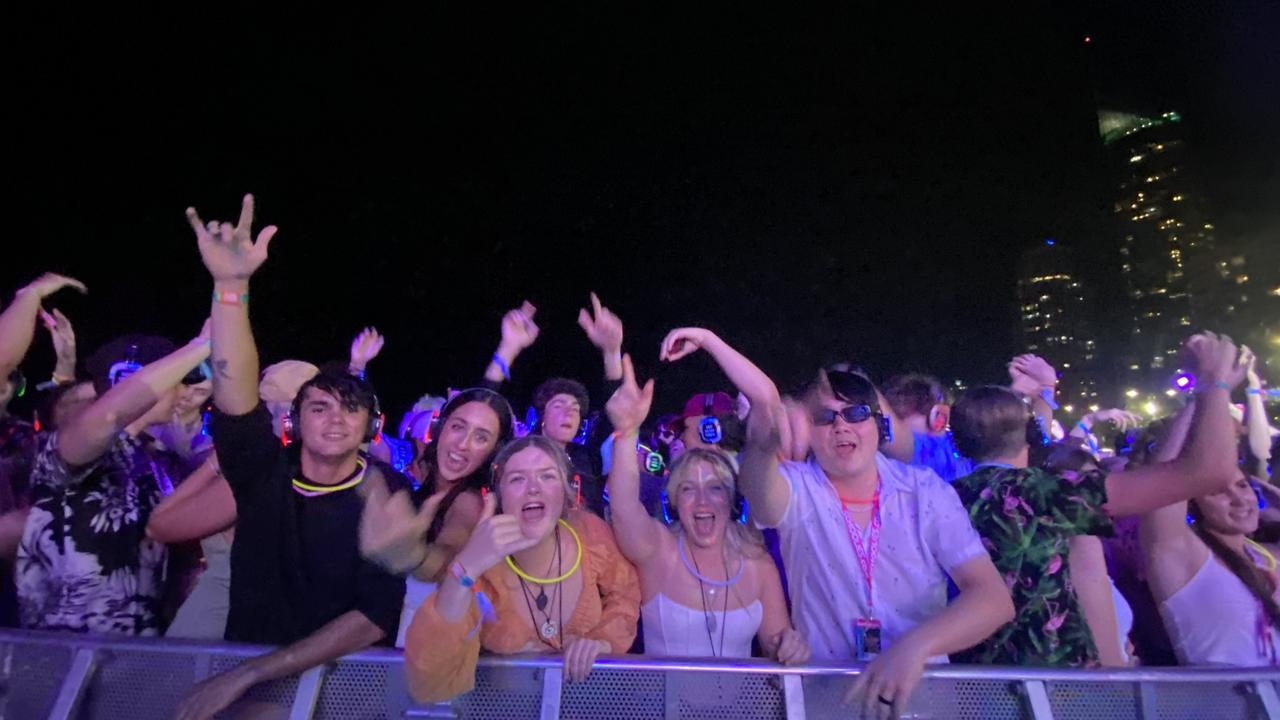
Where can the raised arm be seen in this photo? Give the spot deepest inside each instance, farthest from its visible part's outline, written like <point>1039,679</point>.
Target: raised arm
<point>749,379</point>
<point>518,333</point>
<point>1035,379</point>
<point>1255,416</point>
<point>604,330</point>
<point>18,321</point>
<point>364,348</point>
<point>1169,546</point>
<point>1093,588</point>
<point>1207,461</point>
<point>64,346</point>
<point>232,256</point>
<point>88,434</point>
<point>638,534</point>
<point>767,492</point>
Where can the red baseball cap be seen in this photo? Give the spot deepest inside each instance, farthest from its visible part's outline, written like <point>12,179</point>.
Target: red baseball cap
<point>717,403</point>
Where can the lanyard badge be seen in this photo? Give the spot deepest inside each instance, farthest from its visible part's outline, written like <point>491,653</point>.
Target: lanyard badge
<point>866,631</point>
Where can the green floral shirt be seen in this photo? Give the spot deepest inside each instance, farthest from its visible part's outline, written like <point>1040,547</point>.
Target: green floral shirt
<point>1026,518</point>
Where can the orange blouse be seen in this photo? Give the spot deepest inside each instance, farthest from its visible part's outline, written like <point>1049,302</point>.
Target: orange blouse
<point>440,659</point>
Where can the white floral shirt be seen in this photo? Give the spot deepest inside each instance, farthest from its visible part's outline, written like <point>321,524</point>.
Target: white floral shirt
<point>85,563</point>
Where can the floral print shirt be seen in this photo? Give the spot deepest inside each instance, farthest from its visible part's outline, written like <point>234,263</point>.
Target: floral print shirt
<point>1026,517</point>
<point>85,563</point>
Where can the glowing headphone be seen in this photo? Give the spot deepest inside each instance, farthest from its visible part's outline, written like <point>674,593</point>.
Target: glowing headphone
<point>126,367</point>
<point>1036,435</point>
<point>19,382</point>
<point>709,429</point>
<point>654,463</point>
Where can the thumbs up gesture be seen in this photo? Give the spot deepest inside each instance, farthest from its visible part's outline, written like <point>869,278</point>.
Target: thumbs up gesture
<point>495,537</point>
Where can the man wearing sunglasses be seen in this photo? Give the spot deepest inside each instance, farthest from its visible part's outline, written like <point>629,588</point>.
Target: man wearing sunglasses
<point>868,542</point>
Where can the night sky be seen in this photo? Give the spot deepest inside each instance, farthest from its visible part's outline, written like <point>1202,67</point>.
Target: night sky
<point>812,185</point>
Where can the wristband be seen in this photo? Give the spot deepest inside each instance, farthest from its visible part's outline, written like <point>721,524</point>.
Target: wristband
<point>355,372</point>
<point>227,297</point>
<point>502,366</point>
<point>1046,394</point>
<point>1220,385</point>
<point>1084,427</point>
<point>1253,391</point>
<point>460,574</point>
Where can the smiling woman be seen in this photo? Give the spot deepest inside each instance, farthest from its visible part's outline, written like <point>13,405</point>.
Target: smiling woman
<point>545,577</point>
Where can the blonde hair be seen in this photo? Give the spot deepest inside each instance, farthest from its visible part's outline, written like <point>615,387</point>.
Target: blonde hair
<point>552,450</point>
<point>740,536</point>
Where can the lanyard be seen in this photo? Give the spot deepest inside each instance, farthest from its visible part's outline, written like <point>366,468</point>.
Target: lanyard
<point>866,554</point>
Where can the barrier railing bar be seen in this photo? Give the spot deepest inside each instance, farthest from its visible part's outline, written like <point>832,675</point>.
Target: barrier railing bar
<point>552,682</point>
<point>1147,701</point>
<point>308,693</point>
<point>1038,699</point>
<point>442,711</point>
<point>1267,695</point>
<point>67,704</point>
<point>793,696</point>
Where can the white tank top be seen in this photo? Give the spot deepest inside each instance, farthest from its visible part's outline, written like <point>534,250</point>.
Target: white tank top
<point>673,630</point>
<point>1124,618</point>
<point>1214,620</point>
<point>415,591</point>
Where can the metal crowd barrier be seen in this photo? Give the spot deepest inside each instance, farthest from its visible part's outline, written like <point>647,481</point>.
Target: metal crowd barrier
<point>66,676</point>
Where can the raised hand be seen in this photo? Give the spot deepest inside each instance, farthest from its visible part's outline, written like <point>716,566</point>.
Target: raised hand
<point>1122,418</point>
<point>1214,359</point>
<point>50,283</point>
<point>229,251</point>
<point>519,331</point>
<point>683,341</point>
<point>603,328</point>
<point>630,403</point>
<point>495,537</point>
<point>364,348</point>
<point>1036,368</point>
<point>64,342</point>
<point>1250,363</point>
<point>392,533</point>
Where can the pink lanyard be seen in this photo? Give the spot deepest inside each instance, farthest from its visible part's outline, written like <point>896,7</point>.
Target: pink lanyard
<point>866,554</point>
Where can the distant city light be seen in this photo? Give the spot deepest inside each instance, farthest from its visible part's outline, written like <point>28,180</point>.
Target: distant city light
<point>1131,393</point>
<point>1171,392</point>
<point>1088,39</point>
<point>1049,241</point>
<point>1152,408</point>
<point>1069,408</point>
<point>1093,408</point>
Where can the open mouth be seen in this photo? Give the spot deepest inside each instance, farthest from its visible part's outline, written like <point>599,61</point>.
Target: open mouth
<point>704,523</point>
<point>456,462</point>
<point>846,447</point>
<point>533,511</point>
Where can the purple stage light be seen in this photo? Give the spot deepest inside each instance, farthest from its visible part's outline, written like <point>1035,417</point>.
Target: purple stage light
<point>1184,381</point>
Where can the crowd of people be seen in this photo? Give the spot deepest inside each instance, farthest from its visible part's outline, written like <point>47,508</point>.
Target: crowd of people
<point>181,490</point>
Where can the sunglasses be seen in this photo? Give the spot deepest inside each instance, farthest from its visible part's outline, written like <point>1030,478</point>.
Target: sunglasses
<point>852,414</point>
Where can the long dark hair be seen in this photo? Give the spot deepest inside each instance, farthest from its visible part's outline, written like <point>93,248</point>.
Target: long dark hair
<point>1260,584</point>
<point>476,480</point>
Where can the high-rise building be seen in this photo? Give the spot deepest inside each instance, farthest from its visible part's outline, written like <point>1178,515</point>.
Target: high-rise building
<point>1055,322</point>
<point>1168,256</point>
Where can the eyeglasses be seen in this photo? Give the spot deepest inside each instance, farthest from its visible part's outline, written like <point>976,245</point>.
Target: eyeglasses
<point>852,414</point>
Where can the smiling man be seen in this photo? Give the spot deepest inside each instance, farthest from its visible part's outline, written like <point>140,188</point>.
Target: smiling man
<point>298,579</point>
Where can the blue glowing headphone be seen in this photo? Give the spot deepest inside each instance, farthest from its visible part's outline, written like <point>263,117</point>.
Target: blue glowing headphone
<point>709,429</point>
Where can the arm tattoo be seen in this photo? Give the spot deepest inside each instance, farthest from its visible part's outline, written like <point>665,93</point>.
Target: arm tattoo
<point>220,365</point>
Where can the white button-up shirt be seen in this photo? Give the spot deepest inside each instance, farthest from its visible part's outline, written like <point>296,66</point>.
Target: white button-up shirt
<point>925,533</point>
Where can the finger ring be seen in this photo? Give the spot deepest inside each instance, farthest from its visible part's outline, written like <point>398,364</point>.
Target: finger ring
<point>883,701</point>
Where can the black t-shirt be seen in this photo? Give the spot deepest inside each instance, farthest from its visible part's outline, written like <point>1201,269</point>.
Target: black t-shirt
<point>295,564</point>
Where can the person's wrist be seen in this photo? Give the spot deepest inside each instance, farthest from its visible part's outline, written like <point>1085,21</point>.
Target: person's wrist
<point>233,285</point>
<point>507,351</point>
